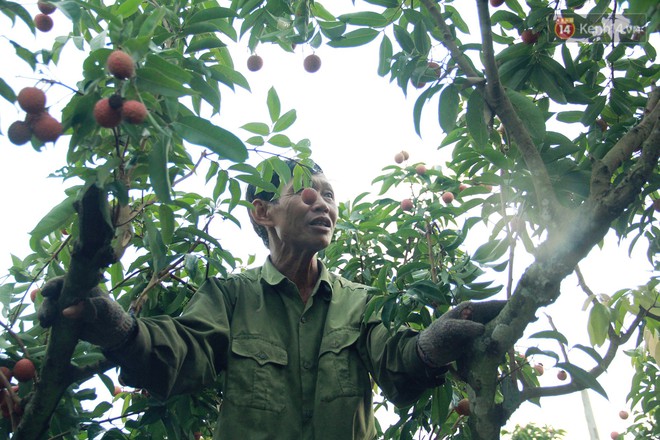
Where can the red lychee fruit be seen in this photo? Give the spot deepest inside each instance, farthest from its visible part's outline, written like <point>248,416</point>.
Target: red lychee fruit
<point>120,64</point>
<point>134,112</point>
<point>19,133</point>
<point>420,169</point>
<point>623,414</point>
<point>614,435</point>
<point>447,197</point>
<point>602,124</point>
<point>254,63</point>
<point>399,158</point>
<point>406,156</point>
<point>46,128</point>
<point>496,3</point>
<point>46,8</point>
<point>33,295</point>
<point>32,100</point>
<point>529,36</point>
<point>462,187</point>
<point>463,407</point>
<point>312,63</point>
<point>24,370</point>
<point>406,205</point>
<point>309,196</point>
<point>538,368</point>
<point>562,375</point>
<point>118,390</point>
<point>43,22</point>
<point>435,68</point>
<point>105,115</point>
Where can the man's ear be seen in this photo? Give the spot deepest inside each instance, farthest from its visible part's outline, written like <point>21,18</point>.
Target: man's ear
<point>260,212</point>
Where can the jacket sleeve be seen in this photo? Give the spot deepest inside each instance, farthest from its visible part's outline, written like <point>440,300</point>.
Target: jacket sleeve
<point>395,365</point>
<point>179,355</point>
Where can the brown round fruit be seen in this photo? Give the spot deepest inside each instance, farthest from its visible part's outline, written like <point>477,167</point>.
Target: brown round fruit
<point>105,115</point>
<point>614,435</point>
<point>529,36</point>
<point>462,187</point>
<point>447,197</point>
<point>656,205</point>
<point>255,63</point>
<point>43,22</point>
<point>33,295</point>
<point>309,196</point>
<point>602,124</point>
<point>46,8</point>
<point>120,64</point>
<point>561,375</point>
<point>312,63</point>
<point>538,368</point>
<point>623,414</point>
<point>496,3</point>
<point>117,391</point>
<point>406,156</point>
<point>435,68</point>
<point>463,407</point>
<point>406,205</point>
<point>32,100</point>
<point>134,112</point>
<point>19,133</point>
<point>420,169</point>
<point>24,370</point>
<point>46,128</point>
<point>399,158</point>
<point>197,435</point>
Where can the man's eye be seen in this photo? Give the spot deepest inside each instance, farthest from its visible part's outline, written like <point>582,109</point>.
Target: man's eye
<point>329,195</point>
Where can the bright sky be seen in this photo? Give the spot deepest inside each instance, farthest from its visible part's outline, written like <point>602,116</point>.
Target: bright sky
<point>356,122</point>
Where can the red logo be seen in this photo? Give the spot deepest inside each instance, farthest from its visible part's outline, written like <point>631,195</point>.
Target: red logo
<point>564,27</point>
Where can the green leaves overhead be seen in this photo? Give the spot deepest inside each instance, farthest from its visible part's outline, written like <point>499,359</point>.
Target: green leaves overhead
<point>199,131</point>
<point>475,119</point>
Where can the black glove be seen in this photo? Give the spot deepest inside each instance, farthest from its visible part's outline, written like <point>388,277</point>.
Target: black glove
<point>105,323</point>
<point>446,338</point>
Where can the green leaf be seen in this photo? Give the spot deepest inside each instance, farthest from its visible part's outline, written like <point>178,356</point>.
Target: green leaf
<point>158,172</point>
<point>7,92</point>
<point>419,105</point>
<point>273,102</point>
<point>166,218</point>
<point>200,131</point>
<point>384,56</point>
<point>582,377</point>
<point>57,217</point>
<point>593,111</point>
<point>154,242</point>
<point>155,81</point>
<point>206,42</point>
<point>448,108</point>
<point>366,18</point>
<point>599,323</point>
<point>355,38</point>
<point>530,114</point>
<point>285,121</point>
<point>257,128</point>
<point>280,140</point>
<point>128,8</point>
<point>403,38</point>
<point>167,68</point>
<point>474,118</point>
<point>550,334</point>
<point>211,14</point>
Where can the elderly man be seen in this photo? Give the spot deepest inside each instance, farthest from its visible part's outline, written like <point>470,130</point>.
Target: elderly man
<point>297,355</point>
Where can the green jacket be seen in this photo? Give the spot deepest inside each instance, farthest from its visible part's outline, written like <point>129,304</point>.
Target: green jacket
<point>291,370</point>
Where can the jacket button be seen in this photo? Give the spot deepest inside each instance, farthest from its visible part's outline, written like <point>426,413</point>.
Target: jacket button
<point>262,356</point>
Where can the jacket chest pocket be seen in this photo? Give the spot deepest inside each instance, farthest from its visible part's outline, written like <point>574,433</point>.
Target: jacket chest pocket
<point>340,367</point>
<point>255,376</point>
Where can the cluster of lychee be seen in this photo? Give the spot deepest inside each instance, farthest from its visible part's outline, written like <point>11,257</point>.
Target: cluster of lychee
<point>10,404</point>
<point>37,120</point>
<point>311,63</point>
<point>110,112</point>
<point>43,21</point>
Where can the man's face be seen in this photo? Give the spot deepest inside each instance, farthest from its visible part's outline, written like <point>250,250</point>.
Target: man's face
<point>301,226</point>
